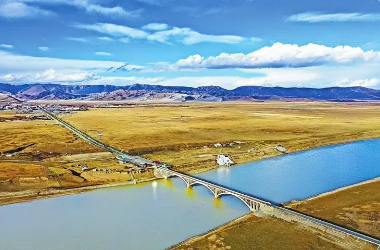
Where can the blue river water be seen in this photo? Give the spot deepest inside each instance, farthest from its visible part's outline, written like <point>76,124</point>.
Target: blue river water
<point>159,214</point>
<point>301,175</point>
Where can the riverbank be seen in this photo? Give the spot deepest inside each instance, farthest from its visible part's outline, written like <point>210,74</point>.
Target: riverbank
<point>7,198</point>
<point>187,136</point>
<point>29,195</point>
<point>296,203</point>
<point>356,207</point>
<point>252,232</point>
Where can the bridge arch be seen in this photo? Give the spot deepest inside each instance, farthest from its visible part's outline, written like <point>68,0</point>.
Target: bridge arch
<point>217,195</point>
<point>184,179</point>
<point>254,206</point>
<point>207,186</point>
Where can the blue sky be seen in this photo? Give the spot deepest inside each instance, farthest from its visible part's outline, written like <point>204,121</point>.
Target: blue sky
<point>230,43</point>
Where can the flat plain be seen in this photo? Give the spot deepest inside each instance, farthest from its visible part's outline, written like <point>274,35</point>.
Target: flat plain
<point>188,136</point>
<point>184,135</point>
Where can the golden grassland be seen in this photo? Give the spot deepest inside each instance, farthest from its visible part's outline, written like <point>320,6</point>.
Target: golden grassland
<point>184,135</point>
<point>30,168</point>
<point>46,136</point>
<point>251,232</point>
<point>356,207</point>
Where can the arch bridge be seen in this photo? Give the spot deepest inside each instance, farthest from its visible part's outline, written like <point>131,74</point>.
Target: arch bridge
<point>254,204</point>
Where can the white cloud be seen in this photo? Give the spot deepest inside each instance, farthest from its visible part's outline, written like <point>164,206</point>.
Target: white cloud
<point>189,36</point>
<point>78,39</point>
<point>105,38</point>
<point>128,80</point>
<point>51,75</point>
<point>11,63</point>
<point>316,17</point>
<point>89,6</point>
<point>8,78</point>
<point>113,11</point>
<point>7,46</point>
<point>153,2</point>
<point>372,82</point>
<point>183,35</point>
<point>255,39</point>
<point>103,53</point>
<point>43,48</point>
<point>124,40</point>
<point>156,26</point>
<point>282,55</point>
<point>333,68</point>
<point>348,82</point>
<point>14,10</point>
<point>113,30</point>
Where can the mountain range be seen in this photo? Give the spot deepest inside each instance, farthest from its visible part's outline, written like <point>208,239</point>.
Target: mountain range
<point>140,92</point>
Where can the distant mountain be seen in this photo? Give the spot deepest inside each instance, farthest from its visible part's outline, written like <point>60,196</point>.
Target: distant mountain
<point>4,98</point>
<point>141,92</point>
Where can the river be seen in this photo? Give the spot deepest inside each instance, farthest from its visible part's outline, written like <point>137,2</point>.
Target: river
<point>158,214</point>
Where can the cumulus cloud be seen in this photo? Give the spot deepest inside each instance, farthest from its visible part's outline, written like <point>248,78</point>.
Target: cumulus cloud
<point>7,46</point>
<point>183,35</point>
<point>12,10</point>
<point>8,78</point>
<point>317,17</point>
<point>280,56</point>
<point>156,26</point>
<point>43,48</point>
<point>101,53</point>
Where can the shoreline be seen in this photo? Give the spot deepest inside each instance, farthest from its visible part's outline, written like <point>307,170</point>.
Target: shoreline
<point>8,198</point>
<point>296,202</point>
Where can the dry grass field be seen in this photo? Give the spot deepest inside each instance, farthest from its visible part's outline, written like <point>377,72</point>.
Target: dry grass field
<point>184,135</point>
<point>29,168</point>
<point>356,207</point>
<point>252,232</point>
<point>47,137</point>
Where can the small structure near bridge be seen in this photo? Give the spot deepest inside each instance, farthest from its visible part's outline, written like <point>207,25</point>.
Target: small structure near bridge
<point>224,160</point>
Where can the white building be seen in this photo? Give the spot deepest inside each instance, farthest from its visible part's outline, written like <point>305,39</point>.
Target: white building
<point>224,160</point>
